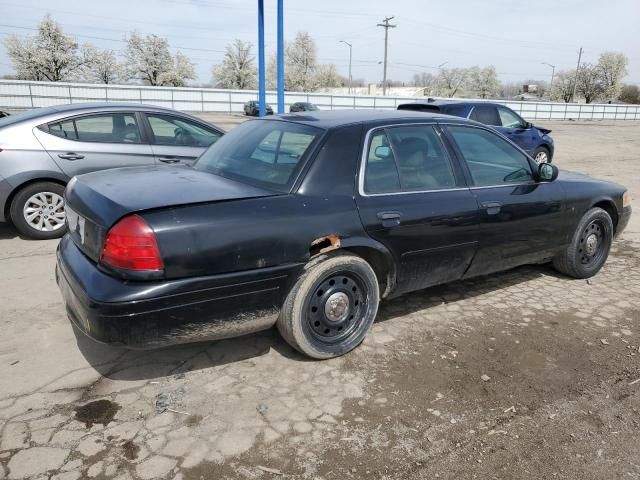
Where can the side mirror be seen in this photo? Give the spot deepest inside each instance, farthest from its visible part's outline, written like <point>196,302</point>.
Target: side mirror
<point>383,151</point>
<point>547,172</point>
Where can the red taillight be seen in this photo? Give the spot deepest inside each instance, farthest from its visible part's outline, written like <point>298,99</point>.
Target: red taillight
<point>131,245</point>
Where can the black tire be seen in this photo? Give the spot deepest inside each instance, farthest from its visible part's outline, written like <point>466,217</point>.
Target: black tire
<point>17,205</point>
<point>542,150</point>
<point>304,322</point>
<point>581,259</point>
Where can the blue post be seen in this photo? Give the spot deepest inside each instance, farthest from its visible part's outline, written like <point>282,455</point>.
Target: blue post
<point>262,98</point>
<point>280,56</point>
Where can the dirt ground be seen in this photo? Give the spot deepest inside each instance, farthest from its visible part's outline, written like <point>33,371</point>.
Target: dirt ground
<point>522,374</point>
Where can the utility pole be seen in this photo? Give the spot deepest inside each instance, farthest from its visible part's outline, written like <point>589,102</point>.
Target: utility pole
<point>350,48</point>
<point>575,80</point>
<point>386,25</point>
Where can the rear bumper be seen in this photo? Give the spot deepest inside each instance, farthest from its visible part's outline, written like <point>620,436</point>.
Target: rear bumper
<point>623,220</point>
<point>158,313</point>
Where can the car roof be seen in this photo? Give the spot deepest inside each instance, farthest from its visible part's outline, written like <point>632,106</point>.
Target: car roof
<point>442,103</point>
<point>337,118</point>
<point>60,111</point>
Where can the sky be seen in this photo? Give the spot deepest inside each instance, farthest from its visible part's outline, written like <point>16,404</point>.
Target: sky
<point>515,36</point>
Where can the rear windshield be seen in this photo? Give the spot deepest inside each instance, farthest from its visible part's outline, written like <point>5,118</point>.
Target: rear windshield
<point>268,154</point>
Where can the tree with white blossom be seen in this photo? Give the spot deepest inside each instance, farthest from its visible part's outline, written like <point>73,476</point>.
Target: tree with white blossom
<point>49,55</point>
<point>238,68</point>
<point>149,59</point>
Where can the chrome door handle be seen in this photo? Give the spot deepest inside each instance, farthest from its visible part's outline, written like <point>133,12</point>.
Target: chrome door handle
<point>70,156</point>
<point>169,160</point>
<point>492,208</point>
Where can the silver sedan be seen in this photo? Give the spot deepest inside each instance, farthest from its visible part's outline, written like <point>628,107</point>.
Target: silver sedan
<point>42,149</point>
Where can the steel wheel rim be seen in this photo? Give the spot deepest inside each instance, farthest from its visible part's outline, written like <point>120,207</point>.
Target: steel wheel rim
<point>541,157</point>
<point>44,211</point>
<point>592,243</point>
<point>331,325</point>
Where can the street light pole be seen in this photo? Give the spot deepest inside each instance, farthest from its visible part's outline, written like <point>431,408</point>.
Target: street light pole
<point>350,49</point>
<point>386,25</point>
<point>553,72</point>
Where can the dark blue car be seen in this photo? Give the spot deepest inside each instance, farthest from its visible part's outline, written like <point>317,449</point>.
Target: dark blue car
<point>533,140</point>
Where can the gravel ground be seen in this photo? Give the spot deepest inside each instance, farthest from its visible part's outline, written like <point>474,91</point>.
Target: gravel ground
<point>523,374</point>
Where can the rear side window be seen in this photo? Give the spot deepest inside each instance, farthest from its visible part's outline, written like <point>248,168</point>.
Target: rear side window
<point>411,158</point>
<point>491,159</point>
<point>487,114</point>
<point>456,110</point>
<point>170,130</point>
<point>103,128</point>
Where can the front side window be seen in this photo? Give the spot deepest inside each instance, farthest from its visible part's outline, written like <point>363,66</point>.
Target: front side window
<point>509,119</point>
<point>263,153</point>
<point>170,130</point>
<point>411,158</point>
<point>102,128</point>
<point>487,114</point>
<point>491,159</point>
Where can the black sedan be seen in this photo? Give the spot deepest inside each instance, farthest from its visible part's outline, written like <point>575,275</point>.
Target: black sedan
<point>252,108</point>
<point>308,221</point>
<point>303,107</point>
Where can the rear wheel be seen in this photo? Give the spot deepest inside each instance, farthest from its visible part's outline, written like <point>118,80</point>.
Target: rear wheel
<point>331,307</point>
<point>589,247</point>
<point>37,211</point>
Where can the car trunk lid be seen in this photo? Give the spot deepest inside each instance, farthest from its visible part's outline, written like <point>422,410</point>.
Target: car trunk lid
<point>96,201</point>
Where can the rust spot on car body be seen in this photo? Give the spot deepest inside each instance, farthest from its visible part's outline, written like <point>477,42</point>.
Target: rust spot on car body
<point>324,244</point>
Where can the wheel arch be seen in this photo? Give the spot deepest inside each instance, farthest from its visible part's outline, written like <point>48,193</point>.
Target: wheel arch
<point>47,177</point>
<point>374,253</point>
<point>608,206</point>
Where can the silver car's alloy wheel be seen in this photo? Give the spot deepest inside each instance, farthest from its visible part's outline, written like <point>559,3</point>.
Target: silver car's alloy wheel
<point>44,211</point>
<point>541,157</point>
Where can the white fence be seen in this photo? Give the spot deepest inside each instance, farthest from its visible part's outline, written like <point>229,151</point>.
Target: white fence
<point>18,95</point>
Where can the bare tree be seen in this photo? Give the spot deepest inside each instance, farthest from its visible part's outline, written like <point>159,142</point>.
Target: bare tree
<point>612,67</point>
<point>483,82</point>
<point>49,55</point>
<point>326,76</point>
<point>562,88</point>
<point>103,67</point>
<point>630,94</point>
<point>427,81</point>
<point>150,60</point>
<point>589,82</point>
<point>450,80</point>
<point>238,68</point>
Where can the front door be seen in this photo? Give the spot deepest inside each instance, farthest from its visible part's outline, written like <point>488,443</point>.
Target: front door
<point>522,220</point>
<point>179,140</point>
<point>87,143</point>
<point>413,199</point>
<point>516,129</point>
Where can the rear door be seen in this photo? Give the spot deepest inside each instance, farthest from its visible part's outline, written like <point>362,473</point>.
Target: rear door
<point>522,220</point>
<point>412,198</point>
<point>176,139</point>
<point>92,142</point>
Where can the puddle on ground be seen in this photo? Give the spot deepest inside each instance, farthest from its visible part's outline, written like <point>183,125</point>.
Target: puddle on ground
<point>130,450</point>
<point>98,412</point>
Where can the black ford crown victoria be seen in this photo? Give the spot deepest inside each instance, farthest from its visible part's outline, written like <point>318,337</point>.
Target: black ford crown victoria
<point>309,220</point>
